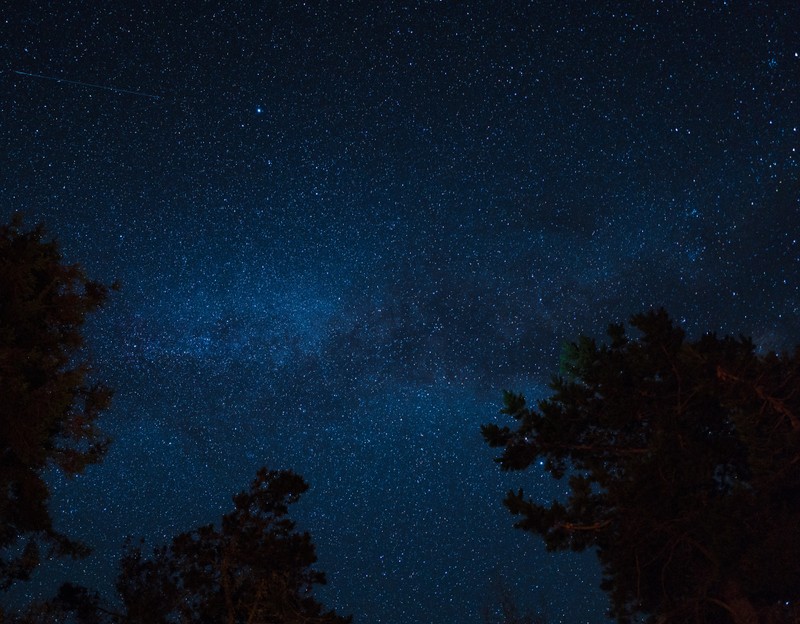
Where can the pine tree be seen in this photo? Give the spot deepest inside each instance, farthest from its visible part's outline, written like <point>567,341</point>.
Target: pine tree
<point>253,568</point>
<point>48,406</point>
<point>683,461</point>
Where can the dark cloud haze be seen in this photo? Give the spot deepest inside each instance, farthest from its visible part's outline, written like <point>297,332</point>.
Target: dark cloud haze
<point>343,227</point>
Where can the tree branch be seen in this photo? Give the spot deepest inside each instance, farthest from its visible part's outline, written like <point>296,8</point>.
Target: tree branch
<point>570,526</point>
<point>775,403</point>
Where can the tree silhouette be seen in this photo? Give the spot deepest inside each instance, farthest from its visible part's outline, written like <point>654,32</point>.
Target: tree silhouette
<point>253,568</point>
<point>684,472</point>
<point>48,408</point>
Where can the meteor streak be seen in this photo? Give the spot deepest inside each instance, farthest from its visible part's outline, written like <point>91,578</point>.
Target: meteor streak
<point>89,84</point>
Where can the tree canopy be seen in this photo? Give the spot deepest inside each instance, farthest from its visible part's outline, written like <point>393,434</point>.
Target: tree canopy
<point>253,568</point>
<point>49,407</point>
<point>683,461</point>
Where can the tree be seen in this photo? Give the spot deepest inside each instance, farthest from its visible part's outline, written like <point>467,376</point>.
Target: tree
<point>253,568</point>
<point>684,472</point>
<point>74,604</point>
<point>49,409</point>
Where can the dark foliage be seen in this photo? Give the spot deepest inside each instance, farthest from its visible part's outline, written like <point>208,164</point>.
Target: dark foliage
<point>684,471</point>
<point>48,409</point>
<point>254,568</point>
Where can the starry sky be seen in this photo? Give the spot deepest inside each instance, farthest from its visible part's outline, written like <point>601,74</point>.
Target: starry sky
<point>342,228</point>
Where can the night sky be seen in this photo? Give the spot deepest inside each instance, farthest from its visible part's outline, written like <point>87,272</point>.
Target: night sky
<point>342,228</point>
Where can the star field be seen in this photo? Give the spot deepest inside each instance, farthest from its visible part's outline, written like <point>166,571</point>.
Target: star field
<point>342,228</point>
